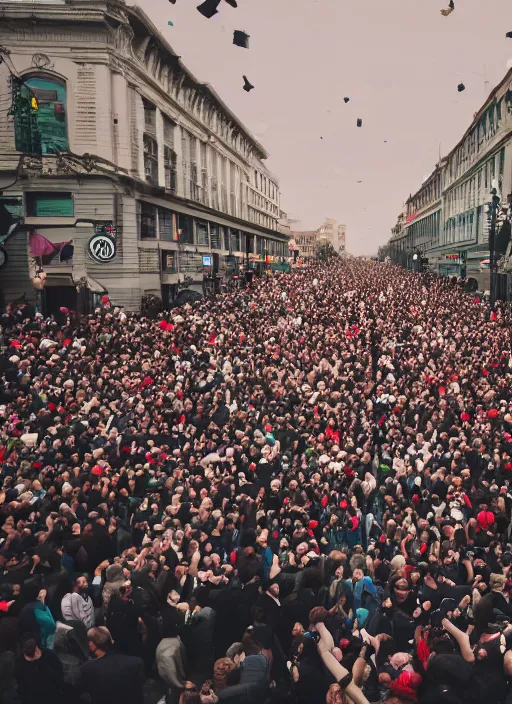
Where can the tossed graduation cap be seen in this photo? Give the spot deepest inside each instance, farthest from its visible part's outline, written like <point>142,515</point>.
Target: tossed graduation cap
<point>233,3</point>
<point>209,8</point>
<point>171,24</point>
<point>173,2</point>
<point>240,39</point>
<point>345,100</point>
<point>461,87</point>
<point>247,84</point>
<point>449,9</point>
<point>509,35</point>
<point>359,122</point>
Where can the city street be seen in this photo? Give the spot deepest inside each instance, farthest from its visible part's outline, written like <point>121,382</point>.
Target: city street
<point>255,352</point>
<point>221,466</point>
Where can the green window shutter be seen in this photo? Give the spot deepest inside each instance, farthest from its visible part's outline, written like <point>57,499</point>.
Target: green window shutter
<point>50,205</point>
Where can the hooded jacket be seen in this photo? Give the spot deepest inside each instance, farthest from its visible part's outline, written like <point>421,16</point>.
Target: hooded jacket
<point>115,580</point>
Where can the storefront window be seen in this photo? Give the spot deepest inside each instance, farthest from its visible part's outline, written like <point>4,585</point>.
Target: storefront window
<point>202,232</point>
<point>147,225</point>
<point>185,229</point>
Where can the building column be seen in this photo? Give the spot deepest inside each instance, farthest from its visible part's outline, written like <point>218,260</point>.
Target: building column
<point>121,121</point>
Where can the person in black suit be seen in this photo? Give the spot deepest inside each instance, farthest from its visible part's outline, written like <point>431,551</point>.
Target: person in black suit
<point>111,678</point>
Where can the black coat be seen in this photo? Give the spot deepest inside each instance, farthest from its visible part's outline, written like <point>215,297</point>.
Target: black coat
<point>113,679</point>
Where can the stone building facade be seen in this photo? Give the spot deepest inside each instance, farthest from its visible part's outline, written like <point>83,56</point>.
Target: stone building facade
<point>446,219</point>
<point>122,133</point>
<point>329,232</point>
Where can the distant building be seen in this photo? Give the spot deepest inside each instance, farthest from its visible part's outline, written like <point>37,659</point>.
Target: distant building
<point>307,243</point>
<point>446,219</point>
<point>328,233</point>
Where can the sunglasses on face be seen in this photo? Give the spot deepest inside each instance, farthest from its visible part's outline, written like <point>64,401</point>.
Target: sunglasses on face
<point>402,588</point>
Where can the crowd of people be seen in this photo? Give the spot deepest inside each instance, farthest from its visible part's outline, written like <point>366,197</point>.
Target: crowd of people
<point>296,492</point>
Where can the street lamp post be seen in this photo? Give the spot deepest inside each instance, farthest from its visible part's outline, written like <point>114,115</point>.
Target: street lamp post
<point>493,268</point>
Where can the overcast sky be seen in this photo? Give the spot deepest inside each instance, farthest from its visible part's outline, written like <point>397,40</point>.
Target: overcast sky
<point>399,61</point>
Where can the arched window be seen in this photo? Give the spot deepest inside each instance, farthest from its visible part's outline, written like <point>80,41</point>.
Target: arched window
<point>40,115</point>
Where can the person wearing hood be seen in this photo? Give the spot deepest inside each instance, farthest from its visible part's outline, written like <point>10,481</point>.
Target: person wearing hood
<point>115,579</point>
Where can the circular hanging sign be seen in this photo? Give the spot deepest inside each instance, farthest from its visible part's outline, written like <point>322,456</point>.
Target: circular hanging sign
<point>3,257</point>
<point>102,248</point>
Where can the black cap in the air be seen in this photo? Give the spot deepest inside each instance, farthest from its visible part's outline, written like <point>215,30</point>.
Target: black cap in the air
<point>461,87</point>
<point>241,39</point>
<point>233,3</point>
<point>209,8</point>
<point>345,100</point>
<point>509,35</point>
<point>247,85</point>
<point>359,122</point>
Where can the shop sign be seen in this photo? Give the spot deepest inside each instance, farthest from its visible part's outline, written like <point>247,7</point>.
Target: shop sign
<point>102,248</point>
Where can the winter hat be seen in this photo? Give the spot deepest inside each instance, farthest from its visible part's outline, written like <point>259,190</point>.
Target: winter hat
<point>485,519</point>
<point>355,523</point>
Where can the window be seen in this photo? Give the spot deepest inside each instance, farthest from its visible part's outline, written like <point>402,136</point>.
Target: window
<point>190,262</point>
<point>149,117</point>
<point>169,262</point>
<point>49,205</point>
<point>147,226</point>
<point>215,236</point>
<point>235,240</point>
<point>168,131</point>
<point>39,108</point>
<point>151,160</point>
<point>202,232</point>
<point>226,237</point>
<point>502,163</point>
<point>185,229</point>
<point>194,188</point>
<point>166,224</point>
<point>170,169</point>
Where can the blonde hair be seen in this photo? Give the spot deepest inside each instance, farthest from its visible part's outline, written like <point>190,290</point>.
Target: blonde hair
<point>497,581</point>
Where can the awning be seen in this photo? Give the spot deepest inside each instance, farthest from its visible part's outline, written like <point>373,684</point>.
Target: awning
<point>59,280</point>
<point>95,286</point>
